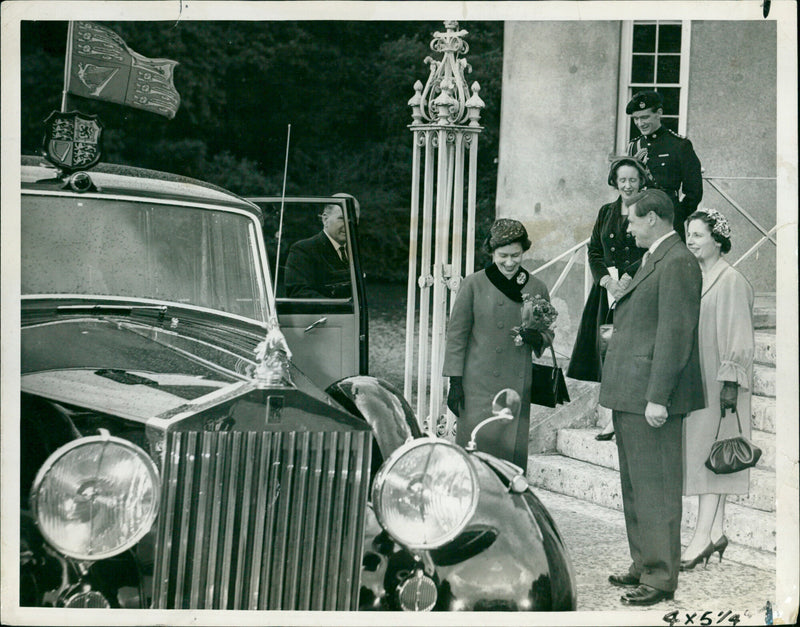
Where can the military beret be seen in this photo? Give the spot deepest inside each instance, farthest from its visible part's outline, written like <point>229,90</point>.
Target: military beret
<point>644,100</point>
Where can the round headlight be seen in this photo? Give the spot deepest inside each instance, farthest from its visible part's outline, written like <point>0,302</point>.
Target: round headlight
<point>95,497</point>
<point>425,493</point>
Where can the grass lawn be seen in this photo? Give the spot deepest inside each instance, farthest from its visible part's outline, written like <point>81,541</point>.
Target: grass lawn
<point>387,331</point>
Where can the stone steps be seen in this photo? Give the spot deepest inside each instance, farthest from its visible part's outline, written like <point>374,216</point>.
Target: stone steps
<point>580,445</point>
<point>766,343</point>
<point>764,311</point>
<point>764,380</point>
<point>762,411</point>
<point>600,485</point>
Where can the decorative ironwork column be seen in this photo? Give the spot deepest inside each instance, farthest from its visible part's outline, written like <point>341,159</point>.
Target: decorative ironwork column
<point>445,127</point>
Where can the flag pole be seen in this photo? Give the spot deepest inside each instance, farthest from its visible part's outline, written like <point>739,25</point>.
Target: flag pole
<point>67,66</point>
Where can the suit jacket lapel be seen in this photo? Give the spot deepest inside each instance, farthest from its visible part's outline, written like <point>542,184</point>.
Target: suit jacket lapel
<point>656,256</point>
<point>329,252</point>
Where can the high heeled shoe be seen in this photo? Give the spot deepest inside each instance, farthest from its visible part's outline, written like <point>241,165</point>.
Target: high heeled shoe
<point>604,437</point>
<point>720,546</point>
<point>705,554</point>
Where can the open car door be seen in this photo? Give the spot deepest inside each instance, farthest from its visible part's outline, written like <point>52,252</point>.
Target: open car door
<point>319,290</point>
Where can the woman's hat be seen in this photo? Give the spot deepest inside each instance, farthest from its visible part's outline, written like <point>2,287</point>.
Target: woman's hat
<point>506,231</point>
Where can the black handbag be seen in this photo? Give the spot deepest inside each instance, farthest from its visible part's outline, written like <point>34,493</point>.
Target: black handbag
<point>732,454</point>
<point>548,387</point>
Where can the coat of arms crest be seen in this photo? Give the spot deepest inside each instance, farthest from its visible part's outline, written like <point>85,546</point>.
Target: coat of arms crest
<point>72,140</point>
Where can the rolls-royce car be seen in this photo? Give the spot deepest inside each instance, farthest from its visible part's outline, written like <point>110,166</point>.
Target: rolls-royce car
<point>192,436</point>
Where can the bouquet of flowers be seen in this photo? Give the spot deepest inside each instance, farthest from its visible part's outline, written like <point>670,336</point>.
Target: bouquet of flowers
<point>538,314</point>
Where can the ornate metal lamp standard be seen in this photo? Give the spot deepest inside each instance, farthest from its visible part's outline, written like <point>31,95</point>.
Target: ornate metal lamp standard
<point>445,127</point>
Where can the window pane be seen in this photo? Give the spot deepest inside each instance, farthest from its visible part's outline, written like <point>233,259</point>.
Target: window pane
<point>633,131</point>
<point>670,123</point>
<point>644,37</point>
<point>309,266</point>
<point>669,69</point>
<point>669,38</point>
<point>671,97</point>
<point>642,69</point>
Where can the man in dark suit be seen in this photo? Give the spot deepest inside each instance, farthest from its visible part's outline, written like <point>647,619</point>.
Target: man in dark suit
<point>651,379</point>
<point>319,267</point>
<point>669,157</point>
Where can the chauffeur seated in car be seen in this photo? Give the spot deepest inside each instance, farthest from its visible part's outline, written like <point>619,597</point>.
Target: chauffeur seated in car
<point>319,267</point>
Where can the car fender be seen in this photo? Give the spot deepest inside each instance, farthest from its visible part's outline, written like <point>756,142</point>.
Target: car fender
<point>382,406</point>
<point>510,556</point>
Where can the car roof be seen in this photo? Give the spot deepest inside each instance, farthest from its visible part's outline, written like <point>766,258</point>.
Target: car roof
<point>113,179</point>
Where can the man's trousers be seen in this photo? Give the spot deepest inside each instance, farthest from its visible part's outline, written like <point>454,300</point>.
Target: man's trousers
<point>651,473</point>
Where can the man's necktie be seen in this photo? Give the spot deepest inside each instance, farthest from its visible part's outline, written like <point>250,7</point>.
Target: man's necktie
<point>343,253</point>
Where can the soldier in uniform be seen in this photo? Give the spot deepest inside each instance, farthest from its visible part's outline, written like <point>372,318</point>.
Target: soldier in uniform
<point>669,157</point>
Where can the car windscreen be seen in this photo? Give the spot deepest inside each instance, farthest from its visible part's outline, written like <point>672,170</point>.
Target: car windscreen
<point>114,247</point>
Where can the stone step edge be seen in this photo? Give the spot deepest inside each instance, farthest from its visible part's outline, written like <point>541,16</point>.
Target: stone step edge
<point>576,445</point>
<point>735,513</point>
<point>736,553</point>
<point>764,439</point>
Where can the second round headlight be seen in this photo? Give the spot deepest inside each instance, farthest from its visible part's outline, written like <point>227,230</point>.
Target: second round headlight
<point>425,493</point>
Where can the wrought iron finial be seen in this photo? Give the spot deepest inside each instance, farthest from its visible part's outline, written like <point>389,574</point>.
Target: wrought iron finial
<point>416,104</point>
<point>474,105</point>
<point>446,98</point>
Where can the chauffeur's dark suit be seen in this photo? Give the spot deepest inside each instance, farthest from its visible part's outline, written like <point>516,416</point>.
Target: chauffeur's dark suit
<point>315,270</point>
<point>653,357</point>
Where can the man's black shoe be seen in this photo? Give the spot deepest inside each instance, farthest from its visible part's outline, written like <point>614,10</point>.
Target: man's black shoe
<point>623,581</point>
<point>645,595</point>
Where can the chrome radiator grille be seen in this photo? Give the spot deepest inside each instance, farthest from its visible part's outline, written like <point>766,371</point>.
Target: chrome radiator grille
<point>262,521</point>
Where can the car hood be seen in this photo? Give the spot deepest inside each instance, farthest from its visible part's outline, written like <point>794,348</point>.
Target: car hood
<point>131,370</point>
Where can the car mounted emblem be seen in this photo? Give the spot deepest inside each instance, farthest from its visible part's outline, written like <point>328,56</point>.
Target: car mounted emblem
<point>73,140</point>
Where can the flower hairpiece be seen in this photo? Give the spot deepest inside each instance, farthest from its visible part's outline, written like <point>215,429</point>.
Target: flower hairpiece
<point>721,225</point>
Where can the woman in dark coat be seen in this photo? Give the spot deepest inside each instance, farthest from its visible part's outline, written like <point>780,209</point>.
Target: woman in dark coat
<point>481,356</point>
<point>611,251</point>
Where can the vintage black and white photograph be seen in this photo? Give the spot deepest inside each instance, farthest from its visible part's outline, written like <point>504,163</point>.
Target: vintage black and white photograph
<point>312,309</point>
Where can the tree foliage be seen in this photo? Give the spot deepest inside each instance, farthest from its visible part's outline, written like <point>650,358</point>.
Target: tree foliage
<point>343,87</point>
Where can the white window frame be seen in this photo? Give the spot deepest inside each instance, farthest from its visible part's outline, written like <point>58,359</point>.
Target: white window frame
<point>625,92</point>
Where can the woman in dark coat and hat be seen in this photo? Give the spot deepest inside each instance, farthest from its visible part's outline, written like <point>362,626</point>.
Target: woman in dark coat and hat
<point>481,356</point>
<point>613,259</point>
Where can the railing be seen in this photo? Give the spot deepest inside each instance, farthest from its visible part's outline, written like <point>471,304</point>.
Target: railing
<point>572,253</point>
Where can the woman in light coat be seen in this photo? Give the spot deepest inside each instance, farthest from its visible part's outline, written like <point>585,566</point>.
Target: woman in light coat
<point>481,357</point>
<point>725,334</point>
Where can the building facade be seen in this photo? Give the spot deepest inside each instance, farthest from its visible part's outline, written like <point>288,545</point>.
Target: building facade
<point>565,87</point>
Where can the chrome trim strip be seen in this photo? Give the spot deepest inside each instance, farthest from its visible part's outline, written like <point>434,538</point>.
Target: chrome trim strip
<point>337,520</point>
<point>166,523</point>
<point>186,479</point>
<point>298,505</point>
<point>309,536</point>
<point>217,495</point>
<point>283,521</point>
<point>244,525</point>
<point>147,301</point>
<point>199,555</point>
<point>174,202</point>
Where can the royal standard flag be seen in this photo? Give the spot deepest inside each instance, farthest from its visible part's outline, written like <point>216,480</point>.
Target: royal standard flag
<point>100,65</point>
